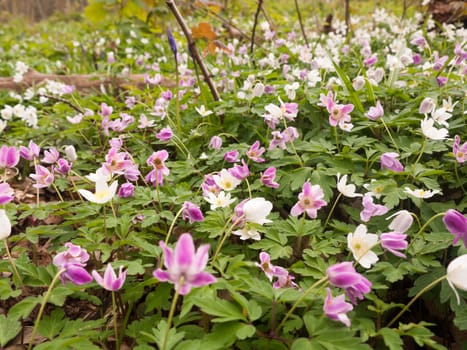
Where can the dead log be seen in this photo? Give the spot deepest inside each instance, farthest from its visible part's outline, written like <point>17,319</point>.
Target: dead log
<point>81,82</point>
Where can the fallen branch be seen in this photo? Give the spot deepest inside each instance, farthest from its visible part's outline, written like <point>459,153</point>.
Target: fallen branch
<point>79,81</point>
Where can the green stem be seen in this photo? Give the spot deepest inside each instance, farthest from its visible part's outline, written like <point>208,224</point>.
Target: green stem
<point>299,300</point>
<point>171,312</point>
<point>114,311</point>
<point>419,294</point>
<point>337,139</point>
<point>422,149</point>
<point>300,162</point>
<point>105,220</point>
<point>430,220</point>
<point>13,265</point>
<point>390,135</point>
<point>41,310</point>
<point>227,234</point>
<point>173,223</point>
<point>58,192</point>
<point>177,98</point>
<point>332,210</point>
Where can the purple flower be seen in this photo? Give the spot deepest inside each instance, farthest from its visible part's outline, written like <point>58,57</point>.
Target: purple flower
<point>62,167</point>
<point>310,200</point>
<point>43,177</point>
<point>441,81</point>
<point>336,308</point>
<point>110,281</point>
<point>9,156</point>
<point>456,223</point>
<point>72,261</point>
<point>172,43</point>
<point>394,242</point>
<point>460,152</point>
<point>277,140</point>
<point>51,156</point>
<point>185,265</point>
<point>417,59</point>
<point>338,113</point>
<point>240,171</point>
<point>165,134</point>
<point>284,279</point>
<point>344,275</point>
<point>266,266</point>
<point>157,159</point>
<point>231,156</point>
<point>267,178</point>
<point>255,152</point>
<point>6,193</point>
<point>376,112</point>
<point>192,212</point>
<point>368,62</point>
<point>106,110</point>
<point>439,61</point>
<point>389,161</point>
<point>370,209</point>
<point>30,152</point>
<point>126,190</point>
<point>461,55</point>
<point>215,143</point>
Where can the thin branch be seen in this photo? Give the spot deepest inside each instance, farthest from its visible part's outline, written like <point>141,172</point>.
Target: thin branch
<point>193,49</point>
<point>260,3</point>
<point>59,99</point>
<point>301,24</point>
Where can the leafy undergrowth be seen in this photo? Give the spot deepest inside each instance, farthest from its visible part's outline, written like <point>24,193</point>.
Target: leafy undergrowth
<point>316,205</point>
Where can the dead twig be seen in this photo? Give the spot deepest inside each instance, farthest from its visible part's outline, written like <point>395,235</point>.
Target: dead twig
<point>258,9</point>
<point>301,23</point>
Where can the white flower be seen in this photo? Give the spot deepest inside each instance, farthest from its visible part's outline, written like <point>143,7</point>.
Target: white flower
<point>7,112</point>
<point>5,225</point>
<point>420,193</point>
<point>220,201</point>
<point>104,192</point>
<point>440,116</point>
<point>431,132</point>
<point>457,274</point>
<point>70,152</point>
<point>202,111</point>
<point>226,181</point>
<point>258,90</point>
<point>247,233</point>
<point>255,210</point>
<point>448,105</point>
<point>346,190</point>
<point>402,221</point>
<point>290,90</point>
<point>360,243</point>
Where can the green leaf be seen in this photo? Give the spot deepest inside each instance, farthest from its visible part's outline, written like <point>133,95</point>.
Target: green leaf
<point>173,337</point>
<point>223,309</point>
<point>391,338</point>
<point>51,325</point>
<point>24,307</point>
<point>9,328</point>
<point>6,291</point>
<point>59,295</point>
<point>245,331</point>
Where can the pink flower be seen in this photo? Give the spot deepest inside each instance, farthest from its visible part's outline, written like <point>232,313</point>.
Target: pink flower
<point>43,177</point>
<point>456,223</point>
<point>343,275</point>
<point>106,110</point>
<point>370,209</point>
<point>157,159</point>
<point>116,162</point>
<point>6,193</point>
<point>255,152</point>
<point>310,200</point>
<point>375,112</point>
<point>267,178</point>
<point>192,212</point>
<point>389,161</point>
<point>284,279</point>
<point>240,171</point>
<point>336,308</point>
<point>266,266</point>
<point>62,167</point>
<point>165,134</point>
<point>126,190</point>
<point>51,156</point>
<point>393,242</point>
<point>277,140</point>
<point>110,281</point>
<point>185,265</point>
<point>73,260</point>
<point>215,143</point>
<point>30,152</point>
<point>9,156</point>
<point>338,113</point>
<point>231,156</point>
<point>460,152</point>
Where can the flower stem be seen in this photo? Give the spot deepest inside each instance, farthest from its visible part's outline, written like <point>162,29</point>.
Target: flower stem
<point>419,294</point>
<point>422,149</point>
<point>299,300</point>
<point>389,133</point>
<point>41,310</point>
<point>58,192</point>
<point>173,224</point>
<point>171,312</point>
<point>13,265</point>
<point>177,98</point>
<point>430,220</point>
<point>114,311</point>
<point>332,210</point>
<point>227,234</point>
